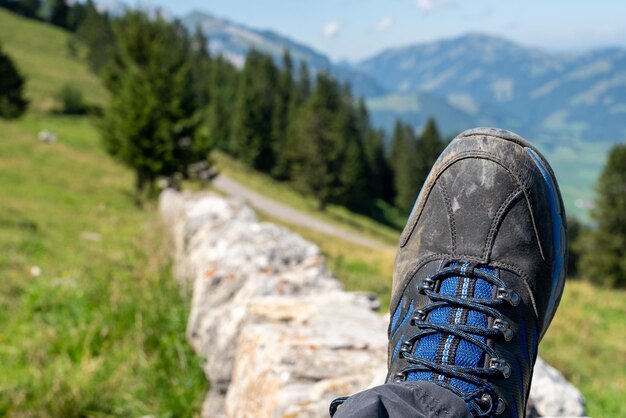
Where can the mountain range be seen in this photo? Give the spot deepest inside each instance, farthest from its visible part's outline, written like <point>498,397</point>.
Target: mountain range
<point>463,82</point>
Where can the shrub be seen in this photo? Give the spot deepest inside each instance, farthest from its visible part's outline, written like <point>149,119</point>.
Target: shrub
<point>71,100</point>
<point>12,101</point>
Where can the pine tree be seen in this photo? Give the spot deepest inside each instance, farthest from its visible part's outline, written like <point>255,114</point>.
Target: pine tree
<point>316,159</point>
<point>223,86</point>
<point>201,67</point>
<point>304,81</point>
<point>12,101</point>
<point>285,92</point>
<point>29,8</point>
<point>428,147</point>
<point>96,32</point>
<point>151,121</point>
<point>378,173</point>
<point>76,15</point>
<point>604,259</point>
<point>402,161</point>
<point>59,12</point>
<point>252,130</point>
<point>351,190</point>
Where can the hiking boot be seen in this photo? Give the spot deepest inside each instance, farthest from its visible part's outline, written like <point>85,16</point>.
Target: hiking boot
<point>479,274</point>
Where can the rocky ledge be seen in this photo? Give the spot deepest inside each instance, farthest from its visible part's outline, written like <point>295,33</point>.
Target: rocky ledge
<point>279,335</point>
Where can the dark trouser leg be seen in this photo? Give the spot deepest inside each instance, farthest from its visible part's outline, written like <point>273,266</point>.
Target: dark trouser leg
<point>403,400</point>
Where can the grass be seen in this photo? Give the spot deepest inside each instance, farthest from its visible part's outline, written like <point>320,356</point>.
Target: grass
<point>41,54</point>
<point>100,330</point>
<point>586,342</point>
<point>91,321</point>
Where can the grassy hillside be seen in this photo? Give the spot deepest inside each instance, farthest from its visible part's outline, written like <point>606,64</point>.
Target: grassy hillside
<point>42,56</point>
<point>91,321</point>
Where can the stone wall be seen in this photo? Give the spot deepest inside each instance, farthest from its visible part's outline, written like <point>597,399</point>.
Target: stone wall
<point>279,335</point>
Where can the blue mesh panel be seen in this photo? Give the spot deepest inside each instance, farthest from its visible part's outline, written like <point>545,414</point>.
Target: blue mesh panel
<point>427,346</point>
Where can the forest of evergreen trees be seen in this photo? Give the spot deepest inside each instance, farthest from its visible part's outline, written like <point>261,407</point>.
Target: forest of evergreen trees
<point>173,101</point>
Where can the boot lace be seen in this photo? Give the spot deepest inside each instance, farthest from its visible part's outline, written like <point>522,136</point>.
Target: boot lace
<point>483,400</point>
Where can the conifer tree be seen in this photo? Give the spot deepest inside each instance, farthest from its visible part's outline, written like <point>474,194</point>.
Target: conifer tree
<point>316,160</point>
<point>380,175</point>
<point>604,258</point>
<point>285,92</point>
<point>304,81</point>
<point>252,130</point>
<point>201,67</point>
<point>378,172</point>
<point>76,15</point>
<point>29,8</point>
<point>351,190</point>
<point>59,12</point>
<point>96,32</point>
<point>428,147</point>
<point>12,101</point>
<point>402,160</point>
<point>223,87</point>
<point>151,121</point>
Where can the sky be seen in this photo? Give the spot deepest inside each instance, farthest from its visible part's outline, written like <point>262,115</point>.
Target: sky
<point>356,29</point>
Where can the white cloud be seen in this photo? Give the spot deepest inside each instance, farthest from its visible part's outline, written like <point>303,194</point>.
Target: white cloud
<point>331,28</point>
<point>383,24</point>
<point>430,5</point>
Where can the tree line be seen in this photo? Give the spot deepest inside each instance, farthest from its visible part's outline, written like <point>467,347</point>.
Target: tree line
<point>67,15</point>
<point>173,103</point>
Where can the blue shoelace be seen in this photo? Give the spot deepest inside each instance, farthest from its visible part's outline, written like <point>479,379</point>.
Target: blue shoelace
<point>436,322</point>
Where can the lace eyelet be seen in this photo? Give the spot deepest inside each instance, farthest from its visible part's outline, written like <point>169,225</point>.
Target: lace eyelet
<point>425,284</point>
<point>486,405</point>
<point>504,328</point>
<point>399,377</point>
<point>509,296</point>
<point>418,316</point>
<point>405,347</point>
<point>500,407</point>
<point>501,366</point>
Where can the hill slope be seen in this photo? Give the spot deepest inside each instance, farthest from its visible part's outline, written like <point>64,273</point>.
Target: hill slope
<point>43,57</point>
<point>91,321</point>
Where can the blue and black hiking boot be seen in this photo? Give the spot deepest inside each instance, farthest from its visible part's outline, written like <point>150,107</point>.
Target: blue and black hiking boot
<point>478,275</point>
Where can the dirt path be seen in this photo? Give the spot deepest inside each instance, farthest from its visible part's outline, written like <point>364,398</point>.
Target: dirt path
<point>288,214</point>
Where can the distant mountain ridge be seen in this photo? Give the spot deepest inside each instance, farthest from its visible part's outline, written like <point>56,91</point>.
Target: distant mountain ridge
<point>491,79</point>
<point>234,40</point>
